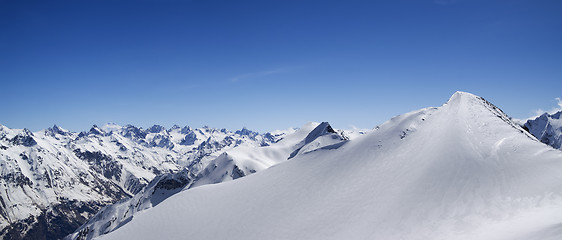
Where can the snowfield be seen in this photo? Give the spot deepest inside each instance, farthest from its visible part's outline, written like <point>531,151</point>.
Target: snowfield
<point>460,171</point>
<point>233,164</point>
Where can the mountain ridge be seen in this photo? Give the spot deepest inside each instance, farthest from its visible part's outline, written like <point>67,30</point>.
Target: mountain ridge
<point>460,171</point>
<point>53,180</point>
<point>547,128</point>
<point>230,165</point>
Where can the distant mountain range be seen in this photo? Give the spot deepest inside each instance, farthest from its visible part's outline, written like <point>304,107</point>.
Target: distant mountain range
<point>464,170</point>
<point>53,181</point>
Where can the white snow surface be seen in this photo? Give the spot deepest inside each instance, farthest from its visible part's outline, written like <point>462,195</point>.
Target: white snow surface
<point>232,164</point>
<point>460,171</point>
<point>243,161</point>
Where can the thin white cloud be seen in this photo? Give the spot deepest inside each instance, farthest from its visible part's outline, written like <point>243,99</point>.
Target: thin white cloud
<point>539,111</point>
<point>256,75</point>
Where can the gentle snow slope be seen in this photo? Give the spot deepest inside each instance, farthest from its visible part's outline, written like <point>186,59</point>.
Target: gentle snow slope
<point>233,164</point>
<point>460,171</point>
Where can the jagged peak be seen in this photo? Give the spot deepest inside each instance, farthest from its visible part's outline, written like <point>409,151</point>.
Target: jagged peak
<point>322,129</point>
<point>186,130</point>
<point>96,130</point>
<point>27,132</point>
<point>246,131</point>
<point>156,129</point>
<point>25,138</point>
<point>132,127</point>
<point>556,115</point>
<point>58,130</point>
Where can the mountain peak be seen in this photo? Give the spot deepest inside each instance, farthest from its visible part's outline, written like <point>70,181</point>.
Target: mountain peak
<point>246,132</point>
<point>58,130</point>
<point>322,129</point>
<point>555,115</point>
<point>460,96</point>
<point>186,130</point>
<point>459,163</point>
<point>25,138</point>
<point>156,129</point>
<point>547,128</point>
<point>96,130</point>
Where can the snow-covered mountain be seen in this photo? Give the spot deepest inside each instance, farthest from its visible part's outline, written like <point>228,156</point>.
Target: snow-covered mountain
<point>547,128</point>
<point>53,181</point>
<point>230,165</point>
<point>460,171</point>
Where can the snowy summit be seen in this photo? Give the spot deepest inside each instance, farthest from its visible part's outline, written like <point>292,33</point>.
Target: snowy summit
<point>460,171</point>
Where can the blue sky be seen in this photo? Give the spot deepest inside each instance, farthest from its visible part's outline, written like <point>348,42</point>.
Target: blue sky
<point>270,64</point>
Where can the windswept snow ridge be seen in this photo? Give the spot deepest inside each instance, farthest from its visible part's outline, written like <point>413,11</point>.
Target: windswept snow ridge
<point>460,171</point>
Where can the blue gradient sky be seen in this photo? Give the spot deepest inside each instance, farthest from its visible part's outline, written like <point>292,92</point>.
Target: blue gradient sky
<point>270,64</point>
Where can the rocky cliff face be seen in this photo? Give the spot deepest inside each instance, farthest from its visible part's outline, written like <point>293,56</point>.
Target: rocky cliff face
<point>547,128</point>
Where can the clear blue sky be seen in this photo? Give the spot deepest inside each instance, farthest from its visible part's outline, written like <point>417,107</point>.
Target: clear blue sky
<point>270,64</point>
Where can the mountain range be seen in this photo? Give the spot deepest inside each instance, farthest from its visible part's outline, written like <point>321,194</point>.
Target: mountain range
<point>53,181</point>
<point>464,170</point>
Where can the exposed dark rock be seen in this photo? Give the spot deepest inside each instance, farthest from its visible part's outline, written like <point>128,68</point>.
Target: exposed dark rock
<point>53,223</point>
<point>25,138</point>
<point>246,132</point>
<point>156,129</point>
<point>162,141</point>
<point>17,178</point>
<point>189,139</point>
<point>237,172</point>
<point>133,132</point>
<point>186,130</point>
<point>101,163</point>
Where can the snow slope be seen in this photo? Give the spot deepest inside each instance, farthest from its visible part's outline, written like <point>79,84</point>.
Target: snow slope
<point>230,165</point>
<point>547,128</point>
<point>460,171</point>
<point>52,181</point>
<point>243,161</point>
